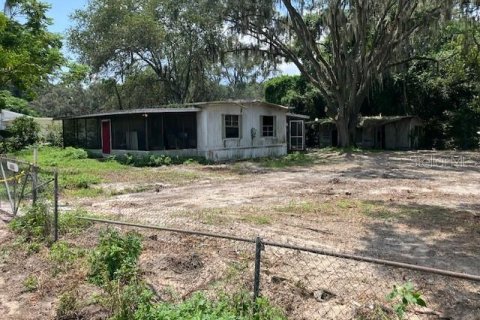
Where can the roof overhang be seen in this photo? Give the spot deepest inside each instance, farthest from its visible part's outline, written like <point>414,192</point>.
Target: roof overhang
<point>134,112</point>
<point>298,116</point>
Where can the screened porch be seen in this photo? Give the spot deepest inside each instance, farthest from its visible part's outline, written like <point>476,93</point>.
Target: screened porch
<point>135,132</point>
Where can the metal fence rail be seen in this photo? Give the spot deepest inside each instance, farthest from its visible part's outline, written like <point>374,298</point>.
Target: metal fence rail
<point>303,278</point>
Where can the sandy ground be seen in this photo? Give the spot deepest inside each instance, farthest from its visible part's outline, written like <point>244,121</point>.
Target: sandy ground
<point>416,207</point>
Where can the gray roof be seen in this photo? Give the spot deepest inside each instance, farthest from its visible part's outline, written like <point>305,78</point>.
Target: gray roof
<point>370,121</point>
<point>185,107</point>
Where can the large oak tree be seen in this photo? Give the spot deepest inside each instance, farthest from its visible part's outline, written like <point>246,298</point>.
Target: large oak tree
<point>341,46</point>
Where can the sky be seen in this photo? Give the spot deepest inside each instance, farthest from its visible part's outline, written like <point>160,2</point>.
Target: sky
<point>62,9</point>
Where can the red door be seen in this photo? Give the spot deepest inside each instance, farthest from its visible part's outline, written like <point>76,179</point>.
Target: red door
<point>106,141</point>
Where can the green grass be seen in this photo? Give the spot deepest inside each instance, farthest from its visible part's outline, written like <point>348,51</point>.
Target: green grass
<point>257,218</point>
<point>79,174</point>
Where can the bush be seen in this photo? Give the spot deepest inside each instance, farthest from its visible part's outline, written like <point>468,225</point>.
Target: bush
<point>113,267</point>
<point>24,132</point>
<point>35,225</point>
<point>54,136</point>
<point>74,153</point>
<point>115,257</point>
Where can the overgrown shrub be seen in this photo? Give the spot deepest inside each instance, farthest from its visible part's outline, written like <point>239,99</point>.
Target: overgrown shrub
<point>115,257</point>
<point>23,133</point>
<point>113,267</point>
<point>54,136</point>
<point>34,225</point>
<point>74,153</point>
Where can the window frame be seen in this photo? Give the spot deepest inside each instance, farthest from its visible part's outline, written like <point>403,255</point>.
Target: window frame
<point>273,127</point>
<point>238,126</point>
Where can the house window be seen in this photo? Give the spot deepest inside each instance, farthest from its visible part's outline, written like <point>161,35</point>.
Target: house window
<point>232,126</point>
<point>268,126</point>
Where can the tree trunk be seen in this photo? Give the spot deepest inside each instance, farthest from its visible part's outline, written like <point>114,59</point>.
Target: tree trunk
<point>343,133</point>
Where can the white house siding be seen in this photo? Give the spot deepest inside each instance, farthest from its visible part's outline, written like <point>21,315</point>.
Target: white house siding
<point>210,134</point>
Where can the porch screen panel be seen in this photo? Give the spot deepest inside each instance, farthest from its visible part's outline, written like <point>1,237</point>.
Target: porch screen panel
<point>93,134</point>
<point>69,133</point>
<point>180,130</point>
<point>128,133</point>
<point>81,133</point>
<point>119,133</point>
<point>136,133</point>
<point>155,132</point>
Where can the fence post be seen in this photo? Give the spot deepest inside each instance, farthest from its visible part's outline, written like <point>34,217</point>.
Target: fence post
<point>256,280</point>
<point>55,206</point>
<point>34,184</point>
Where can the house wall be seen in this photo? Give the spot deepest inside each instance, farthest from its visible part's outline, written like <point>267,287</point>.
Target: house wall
<point>213,145</point>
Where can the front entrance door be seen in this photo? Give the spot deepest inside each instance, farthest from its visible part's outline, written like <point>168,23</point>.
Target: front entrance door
<point>106,138</point>
<point>297,135</point>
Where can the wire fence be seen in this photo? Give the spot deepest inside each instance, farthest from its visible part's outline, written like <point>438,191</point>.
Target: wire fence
<point>23,184</point>
<point>307,283</point>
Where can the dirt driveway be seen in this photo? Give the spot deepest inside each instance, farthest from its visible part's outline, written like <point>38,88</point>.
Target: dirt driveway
<point>409,206</point>
<point>415,207</point>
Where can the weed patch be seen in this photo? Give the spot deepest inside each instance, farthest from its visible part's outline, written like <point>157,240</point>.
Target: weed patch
<point>35,225</point>
<point>239,307</point>
<point>30,283</point>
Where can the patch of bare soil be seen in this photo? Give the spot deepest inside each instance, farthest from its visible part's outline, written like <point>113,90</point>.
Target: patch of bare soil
<point>429,200</point>
<point>414,207</point>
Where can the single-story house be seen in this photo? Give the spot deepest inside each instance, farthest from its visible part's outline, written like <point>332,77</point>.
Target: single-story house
<point>219,130</point>
<point>378,132</point>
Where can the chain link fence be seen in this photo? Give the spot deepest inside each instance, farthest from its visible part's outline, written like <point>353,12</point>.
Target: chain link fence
<point>306,283</point>
<point>23,185</point>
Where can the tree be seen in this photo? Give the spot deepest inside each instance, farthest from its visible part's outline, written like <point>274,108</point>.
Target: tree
<point>297,93</point>
<point>342,47</point>
<point>176,39</point>
<point>29,53</point>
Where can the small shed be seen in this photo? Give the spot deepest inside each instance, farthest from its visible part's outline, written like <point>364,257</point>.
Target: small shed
<point>218,130</point>
<point>378,132</point>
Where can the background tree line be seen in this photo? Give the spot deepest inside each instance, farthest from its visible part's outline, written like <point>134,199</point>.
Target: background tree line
<point>356,57</point>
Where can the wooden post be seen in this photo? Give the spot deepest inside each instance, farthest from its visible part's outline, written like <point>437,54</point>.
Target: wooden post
<point>55,206</point>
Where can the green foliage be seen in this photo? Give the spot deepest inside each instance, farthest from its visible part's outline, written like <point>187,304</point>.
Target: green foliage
<point>68,306</point>
<point>68,221</point>
<point>237,307</point>
<point>115,257</point>
<point>297,93</point>
<point>9,102</point>
<point>153,160</point>
<point>54,136</point>
<point>29,53</point>
<point>30,283</point>
<point>34,225</point>
<point>113,267</point>
<point>406,296</point>
<point>24,132</point>
<point>130,37</point>
<point>63,256</point>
